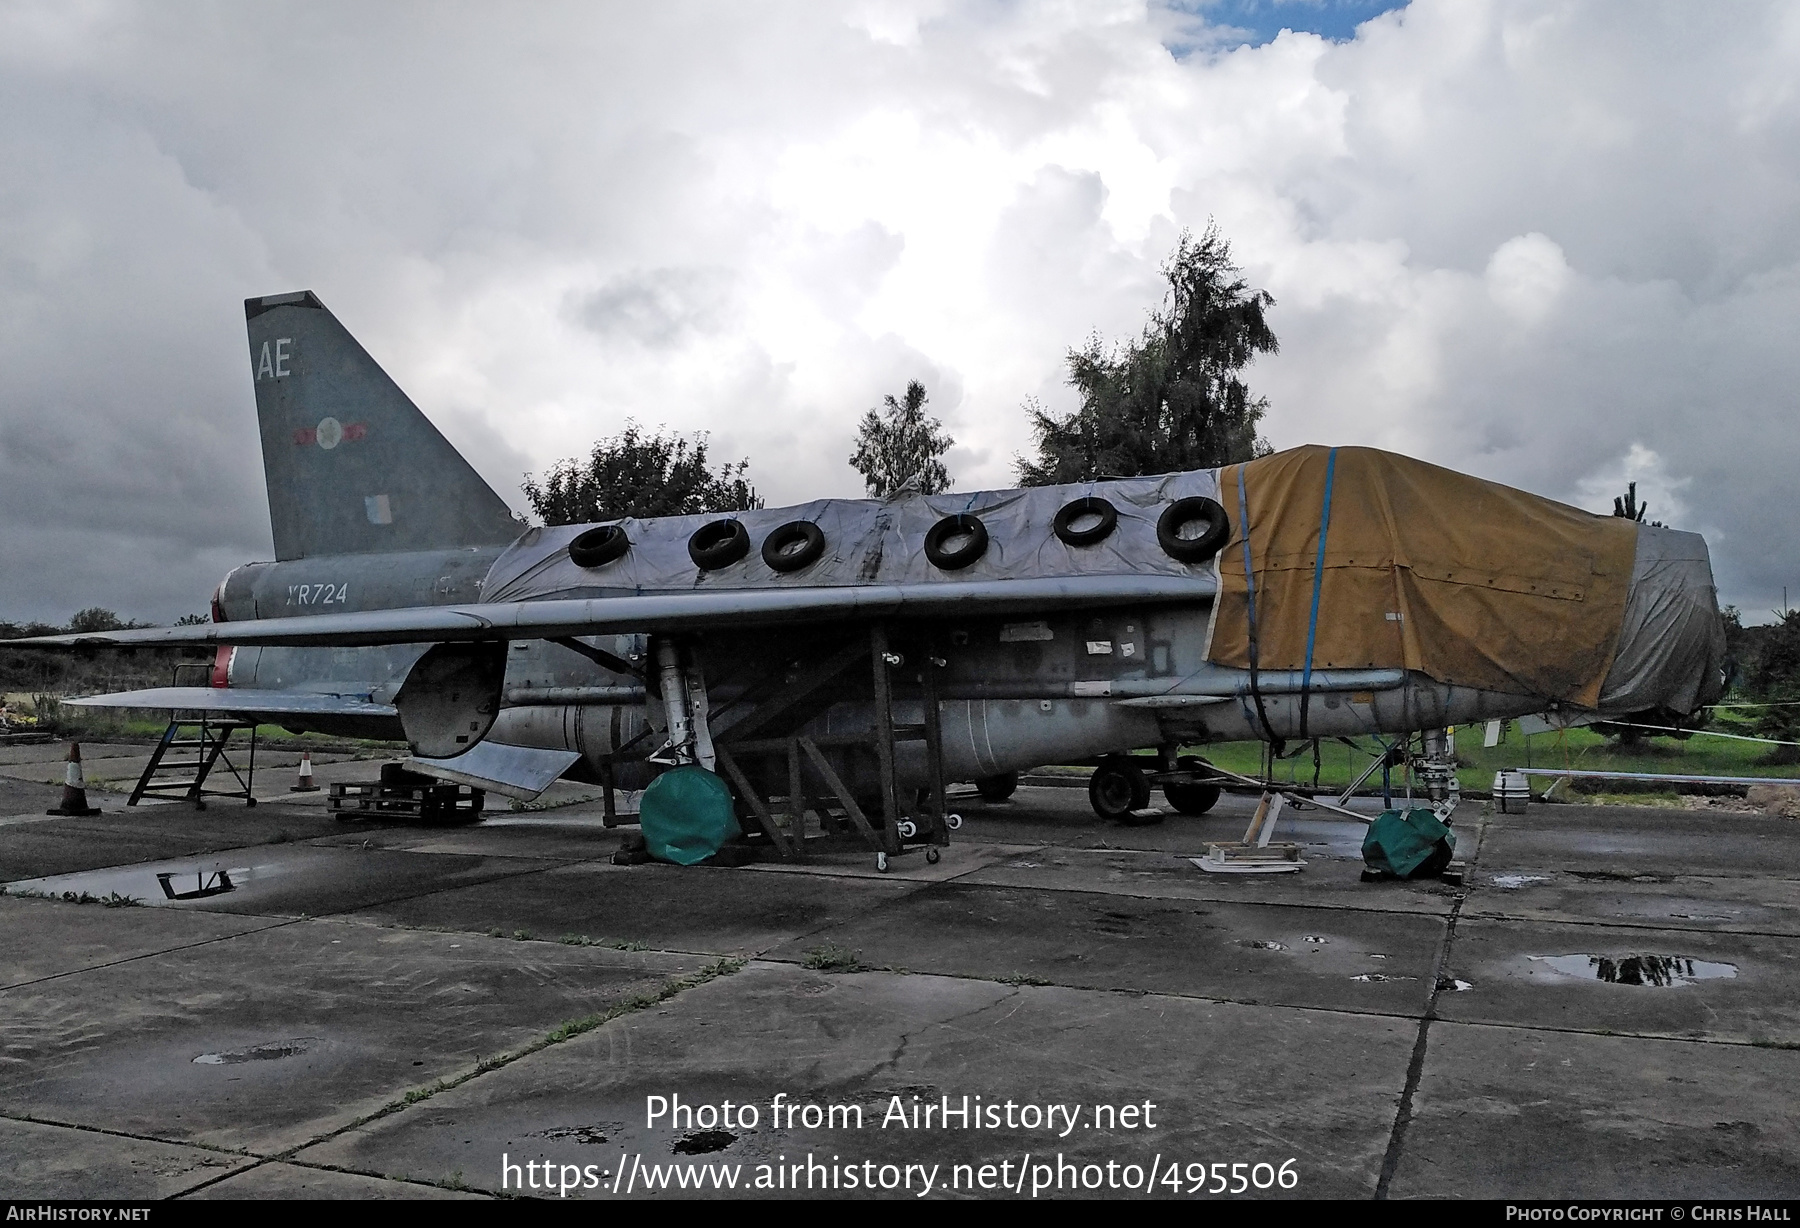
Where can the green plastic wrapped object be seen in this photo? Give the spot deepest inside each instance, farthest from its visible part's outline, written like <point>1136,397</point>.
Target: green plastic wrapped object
<point>686,815</point>
<point>1410,844</point>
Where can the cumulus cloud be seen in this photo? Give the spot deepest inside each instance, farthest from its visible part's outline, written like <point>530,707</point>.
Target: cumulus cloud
<point>1540,242</point>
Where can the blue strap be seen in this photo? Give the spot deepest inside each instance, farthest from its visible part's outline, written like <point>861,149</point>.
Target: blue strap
<point>1312,625</point>
<point>1249,571</point>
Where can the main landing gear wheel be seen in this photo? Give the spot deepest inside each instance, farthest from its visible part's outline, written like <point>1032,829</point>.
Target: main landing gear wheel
<point>997,788</point>
<point>953,822</point>
<point>1117,788</point>
<point>1192,799</point>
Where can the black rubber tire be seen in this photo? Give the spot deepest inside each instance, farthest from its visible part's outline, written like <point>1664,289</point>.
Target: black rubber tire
<point>1184,512</point>
<point>1118,787</point>
<point>997,788</point>
<point>719,544</point>
<point>796,544</point>
<point>1092,505</point>
<point>965,554</point>
<point>598,547</point>
<point>1192,799</point>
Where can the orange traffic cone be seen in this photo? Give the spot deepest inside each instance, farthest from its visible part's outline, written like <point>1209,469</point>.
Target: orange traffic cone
<point>74,798</point>
<point>305,784</point>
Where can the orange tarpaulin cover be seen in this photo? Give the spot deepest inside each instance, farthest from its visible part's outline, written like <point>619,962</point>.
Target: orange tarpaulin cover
<point>1466,581</point>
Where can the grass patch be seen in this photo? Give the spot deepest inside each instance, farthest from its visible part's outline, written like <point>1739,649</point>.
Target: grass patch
<point>1570,749</point>
<point>640,1001</point>
<point>832,958</point>
<point>111,899</point>
<point>567,1031</point>
<point>616,944</point>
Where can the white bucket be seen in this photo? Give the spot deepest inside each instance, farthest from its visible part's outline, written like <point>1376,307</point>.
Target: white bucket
<point>1512,792</point>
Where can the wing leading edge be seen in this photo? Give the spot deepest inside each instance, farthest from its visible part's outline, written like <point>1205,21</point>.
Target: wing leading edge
<point>657,612</point>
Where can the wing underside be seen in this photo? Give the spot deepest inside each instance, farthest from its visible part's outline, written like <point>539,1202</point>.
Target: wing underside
<point>239,700</point>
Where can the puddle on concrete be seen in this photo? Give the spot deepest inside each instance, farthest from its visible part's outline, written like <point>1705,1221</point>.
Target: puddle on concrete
<point>703,1142</point>
<point>159,882</point>
<point>205,885</point>
<point>1377,978</point>
<point>596,1133</point>
<point>1654,971</point>
<point>1512,882</point>
<point>268,1052</point>
<point>1265,946</point>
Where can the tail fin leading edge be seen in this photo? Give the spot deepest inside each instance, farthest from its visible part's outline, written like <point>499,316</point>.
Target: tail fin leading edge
<point>353,467</point>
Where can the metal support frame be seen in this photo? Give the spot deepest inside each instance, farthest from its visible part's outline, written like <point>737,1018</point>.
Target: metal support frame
<point>835,783</point>
<point>794,751</point>
<point>790,847</point>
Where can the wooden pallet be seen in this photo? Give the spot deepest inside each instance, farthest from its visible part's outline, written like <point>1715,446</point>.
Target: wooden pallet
<point>436,801</point>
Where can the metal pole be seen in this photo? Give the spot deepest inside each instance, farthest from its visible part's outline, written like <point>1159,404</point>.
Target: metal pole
<point>934,741</point>
<point>797,800</point>
<point>884,737</point>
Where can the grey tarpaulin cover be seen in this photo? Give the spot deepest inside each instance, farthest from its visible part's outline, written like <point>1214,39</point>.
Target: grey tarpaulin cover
<point>867,541</point>
<point>1672,644</point>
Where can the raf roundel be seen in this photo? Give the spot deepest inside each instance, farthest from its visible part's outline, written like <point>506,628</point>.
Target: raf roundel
<point>330,433</point>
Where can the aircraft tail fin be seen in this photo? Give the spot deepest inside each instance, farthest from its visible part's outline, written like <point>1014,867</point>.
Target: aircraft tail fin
<point>353,467</point>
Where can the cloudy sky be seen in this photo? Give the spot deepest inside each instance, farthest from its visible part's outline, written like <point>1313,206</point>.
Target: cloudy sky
<point>1553,244</point>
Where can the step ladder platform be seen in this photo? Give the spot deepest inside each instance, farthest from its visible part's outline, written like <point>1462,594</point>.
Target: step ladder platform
<point>183,777</point>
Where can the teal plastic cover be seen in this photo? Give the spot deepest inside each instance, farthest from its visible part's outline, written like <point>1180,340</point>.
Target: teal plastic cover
<point>1413,843</point>
<point>687,815</point>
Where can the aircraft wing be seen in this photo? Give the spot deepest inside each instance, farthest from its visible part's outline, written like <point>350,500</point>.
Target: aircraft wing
<point>655,612</point>
<point>238,699</point>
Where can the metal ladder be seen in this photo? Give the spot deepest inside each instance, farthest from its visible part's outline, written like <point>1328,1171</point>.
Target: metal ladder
<point>174,773</point>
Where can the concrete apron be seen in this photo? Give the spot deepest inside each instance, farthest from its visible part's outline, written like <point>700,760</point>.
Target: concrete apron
<point>315,1024</point>
<point>871,1041</point>
<point>279,1036</point>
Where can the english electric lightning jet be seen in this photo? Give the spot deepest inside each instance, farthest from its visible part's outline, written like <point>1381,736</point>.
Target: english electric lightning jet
<point>867,650</point>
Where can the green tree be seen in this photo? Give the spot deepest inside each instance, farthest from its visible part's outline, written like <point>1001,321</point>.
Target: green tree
<point>1174,398</point>
<point>94,619</point>
<point>1773,679</point>
<point>898,446</point>
<point>1627,505</point>
<point>639,474</point>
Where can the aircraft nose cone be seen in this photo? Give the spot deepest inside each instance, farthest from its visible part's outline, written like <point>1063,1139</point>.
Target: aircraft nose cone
<point>1671,640</point>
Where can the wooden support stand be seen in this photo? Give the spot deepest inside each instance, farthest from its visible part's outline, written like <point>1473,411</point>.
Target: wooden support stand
<point>1255,853</point>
